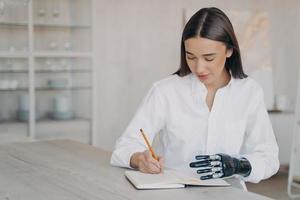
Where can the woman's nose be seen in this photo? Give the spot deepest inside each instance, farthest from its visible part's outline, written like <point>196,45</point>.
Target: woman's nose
<point>200,66</point>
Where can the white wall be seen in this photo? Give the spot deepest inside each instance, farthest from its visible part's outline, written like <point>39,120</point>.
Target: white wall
<point>138,42</point>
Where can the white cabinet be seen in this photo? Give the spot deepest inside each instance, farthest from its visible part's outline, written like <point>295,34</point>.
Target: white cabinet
<point>294,167</point>
<point>46,65</point>
<point>283,123</point>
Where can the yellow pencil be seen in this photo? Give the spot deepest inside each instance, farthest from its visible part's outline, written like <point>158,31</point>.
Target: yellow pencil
<point>148,144</point>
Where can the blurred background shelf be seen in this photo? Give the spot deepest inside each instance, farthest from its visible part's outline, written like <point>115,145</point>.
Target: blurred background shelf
<point>65,88</point>
<point>7,23</point>
<point>4,54</point>
<point>64,71</point>
<point>62,54</point>
<point>49,71</point>
<point>45,67</point>
<point>47,89</point>
<point>13,71</point>
<point>85,26</point>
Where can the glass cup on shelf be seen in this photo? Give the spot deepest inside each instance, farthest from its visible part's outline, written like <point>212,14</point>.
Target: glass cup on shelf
<point>5,115</point>
<point>25,2</point>
<point>9,63</point>
<point>53,45</point>
<point>65,64</point>
<point>62,108</point>
<point>13,84</point>
<point>50,65</point>
<point>2,10</point>
<point>2,66</point>
<point>67,46</point>
<point>41,15</point>
<point>25,49</point>
<point>12,49</point>
<point>4,84</point>
<point>56,15</point>
<point>281,102</point>
<point>54,67</point>
<point>24,102</point>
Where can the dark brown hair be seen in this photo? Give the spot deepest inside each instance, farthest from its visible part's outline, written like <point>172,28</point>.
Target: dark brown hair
<point>212,23</point>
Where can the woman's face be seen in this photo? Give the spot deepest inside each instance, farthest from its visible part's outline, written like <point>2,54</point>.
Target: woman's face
<point>206,59</point>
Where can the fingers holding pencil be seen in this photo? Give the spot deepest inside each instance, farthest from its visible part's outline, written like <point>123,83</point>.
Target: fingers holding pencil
<point>148,164</point>
<point>147,161</point>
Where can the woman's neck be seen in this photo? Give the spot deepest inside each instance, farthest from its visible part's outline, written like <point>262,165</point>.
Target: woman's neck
<point>221,82</point>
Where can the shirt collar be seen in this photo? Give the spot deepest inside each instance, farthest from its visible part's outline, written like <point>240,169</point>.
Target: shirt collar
<point>197,85</point>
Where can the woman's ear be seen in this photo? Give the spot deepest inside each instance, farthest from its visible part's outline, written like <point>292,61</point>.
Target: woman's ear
<point>229,52</point>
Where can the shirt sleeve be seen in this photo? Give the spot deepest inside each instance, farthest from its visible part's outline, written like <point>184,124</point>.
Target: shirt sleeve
<point>260,146</point>
<point>149,117</point>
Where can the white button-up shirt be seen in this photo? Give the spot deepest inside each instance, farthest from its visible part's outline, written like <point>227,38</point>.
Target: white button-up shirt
<point>175,107</point>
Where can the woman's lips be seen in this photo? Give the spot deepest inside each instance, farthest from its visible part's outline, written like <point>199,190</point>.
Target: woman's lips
<point>203,77</point>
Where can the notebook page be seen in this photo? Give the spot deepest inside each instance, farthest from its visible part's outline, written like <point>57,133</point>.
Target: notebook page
<point>194,181</point>
<point>167,179</point>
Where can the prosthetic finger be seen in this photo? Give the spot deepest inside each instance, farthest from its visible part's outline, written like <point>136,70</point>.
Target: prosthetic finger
<point>212,169</point>
<point>206,163</point>
<point>214,175</point>
<point>208,157</point>
<point>206,170</point>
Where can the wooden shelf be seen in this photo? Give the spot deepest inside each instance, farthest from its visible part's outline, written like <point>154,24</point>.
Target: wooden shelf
<point>61,54</point>
<point>63,71</point>
<point>63,88</point>
<point>49,25</point>
<point>49,71</point>
<point>13,55</point>
<point>46,25</point>
<point>74,120</point>
<point>13,71</point>
<point>7,123</point>
<point>280,111</point>
<point>19,24</point>
<point>47,89</point>
<point>11,123</point>
<point>14,90</point>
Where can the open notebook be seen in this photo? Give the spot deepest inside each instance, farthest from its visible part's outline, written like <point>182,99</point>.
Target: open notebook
<point>168,179</point>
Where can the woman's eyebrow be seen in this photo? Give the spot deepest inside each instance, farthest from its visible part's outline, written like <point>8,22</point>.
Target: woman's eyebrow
<point>189,53</point>
<point>209,54</point>
<point>206,54</point>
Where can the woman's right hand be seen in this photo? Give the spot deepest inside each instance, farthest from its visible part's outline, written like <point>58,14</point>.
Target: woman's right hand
<point>144,162</point>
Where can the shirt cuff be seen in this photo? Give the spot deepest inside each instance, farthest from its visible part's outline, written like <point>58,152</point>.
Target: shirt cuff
<point>121,158</point>
<point>257,169</point>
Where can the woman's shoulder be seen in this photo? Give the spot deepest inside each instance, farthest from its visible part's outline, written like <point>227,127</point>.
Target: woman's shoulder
<point>248,84</point>
<point>171,81</point>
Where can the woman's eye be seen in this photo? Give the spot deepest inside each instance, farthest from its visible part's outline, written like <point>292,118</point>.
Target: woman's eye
<point>209,59</point>
<point>191,58</point>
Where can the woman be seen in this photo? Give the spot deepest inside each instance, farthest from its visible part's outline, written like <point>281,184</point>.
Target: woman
<point>211,117</point>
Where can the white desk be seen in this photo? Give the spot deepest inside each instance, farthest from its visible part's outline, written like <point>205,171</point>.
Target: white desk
<point>71,170</point>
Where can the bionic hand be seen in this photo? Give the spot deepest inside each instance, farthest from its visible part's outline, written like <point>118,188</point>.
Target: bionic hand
<point>220,165</point>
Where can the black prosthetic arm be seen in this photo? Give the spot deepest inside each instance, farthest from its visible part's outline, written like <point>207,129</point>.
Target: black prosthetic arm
<point>220,165</point>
